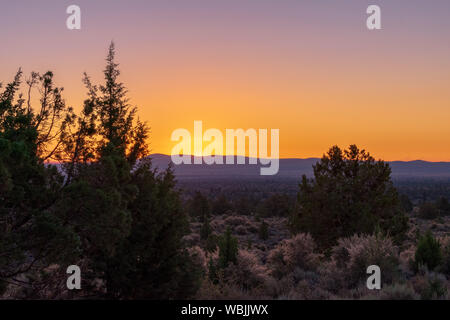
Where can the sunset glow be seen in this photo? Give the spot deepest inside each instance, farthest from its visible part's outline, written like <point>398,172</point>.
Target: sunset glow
<point>311,70</point>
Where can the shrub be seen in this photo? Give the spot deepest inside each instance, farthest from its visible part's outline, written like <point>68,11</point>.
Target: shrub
<point>303,290</point>
<point>395,291</point>
<point>247,273</point>
<point>191,239</point>
<point>241,230</point>
<point>211,243</point>
<point>331,277</point>
<point>237,221</point>
<point>228,249</point>
<point>406,259</point>
<point>431,285</point>
<point>198,256</point>
<point>399,292</point>
<point>298,252</point>
<point>353,255</point>
<point>428,252</point>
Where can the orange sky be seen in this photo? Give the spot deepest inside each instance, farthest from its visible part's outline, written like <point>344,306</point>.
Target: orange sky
<point>311,70</point>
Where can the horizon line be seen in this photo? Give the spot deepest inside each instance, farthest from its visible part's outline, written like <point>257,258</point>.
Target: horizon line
<point>293,158</point>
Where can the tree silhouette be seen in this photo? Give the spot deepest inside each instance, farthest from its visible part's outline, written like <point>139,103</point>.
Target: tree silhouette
<point>350,193</point>
<point>228,249</point>
<point>105,210</point>
<point>33,234</point>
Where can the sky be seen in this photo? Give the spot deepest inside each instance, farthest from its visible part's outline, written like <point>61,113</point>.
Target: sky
<point>309,68</point>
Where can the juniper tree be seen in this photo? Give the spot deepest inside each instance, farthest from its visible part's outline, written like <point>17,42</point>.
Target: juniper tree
<point>33,234</point>
<point>428,252</point>
<point>228,252</point>
<point>151,263</point>
<point>128,217</point>
<point>205,230</point>
<point>228,249</point>
<point>350,193</point>
<point>110,213</point>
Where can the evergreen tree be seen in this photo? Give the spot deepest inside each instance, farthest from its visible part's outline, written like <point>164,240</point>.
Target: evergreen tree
<point>263,231</point>
<point>428,252</point>
<point>350,193</point>
<point>132,225</point>
<point>33,234</point>
<point>109,213</point>
<point>228,249</point>
<point>151,263</point>
<point>205,230</point>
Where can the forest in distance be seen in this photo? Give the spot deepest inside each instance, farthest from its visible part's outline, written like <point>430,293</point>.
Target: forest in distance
<point>80,188</point>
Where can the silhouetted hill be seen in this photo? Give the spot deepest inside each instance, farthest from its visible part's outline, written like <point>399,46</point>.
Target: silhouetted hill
<point>293,169</point>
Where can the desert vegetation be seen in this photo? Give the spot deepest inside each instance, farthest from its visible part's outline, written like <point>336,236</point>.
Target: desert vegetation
<point>79,188</point>
<point>288,262</point>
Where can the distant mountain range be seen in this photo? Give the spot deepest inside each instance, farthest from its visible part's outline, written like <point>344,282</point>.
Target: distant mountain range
<point>293,169</point>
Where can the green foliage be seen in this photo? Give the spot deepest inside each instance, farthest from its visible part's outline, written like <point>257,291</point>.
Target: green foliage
<point>139,253</point>
<point>263,231</point>
<point>428,252</point>
<point>435,287</point>
<point>150,263</point>
<point>103,208</point>
<point>228,253</point>
<point>351,193</point>
<point>33,234</point>
<point>228,249</point>
<point>354,254</point>
<point>205,230</point>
